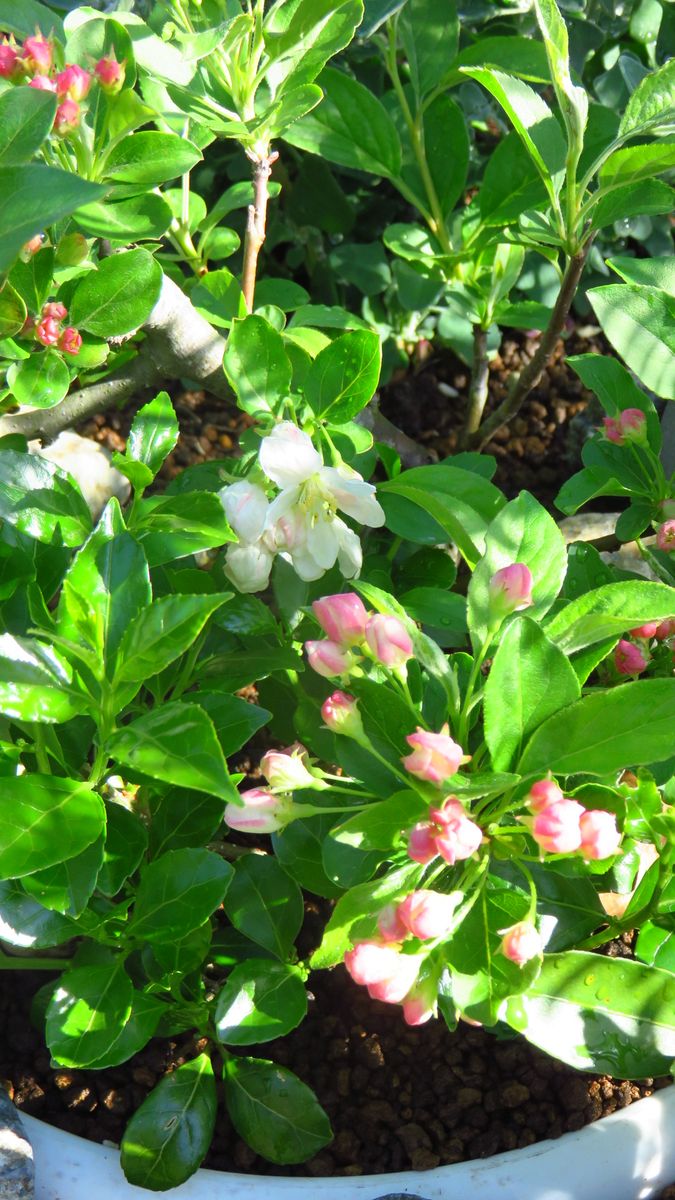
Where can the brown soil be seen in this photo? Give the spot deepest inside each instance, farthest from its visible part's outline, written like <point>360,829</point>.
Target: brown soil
<point>398,1098</point>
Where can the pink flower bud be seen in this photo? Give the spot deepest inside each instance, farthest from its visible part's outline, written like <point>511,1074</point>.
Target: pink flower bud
<point>43,83</point>
<point>389,640</point>
<point>47,331</point>
<point>342,618</point>
<point>427,914</point>
<point>341,714</point>
<point>396,986</point>
<point>55,309</point>
<point>262,812</point>
<point>419,1005</point>
<point>110,74</point>
<point>435,755</point>
<point>328,659</point>
<point>390,925</point>
<point>647,631</point>
<point>9,61</point>
<point>510,590</point>
<point>74,81</point>
<point>458,837</point>
<point>599,835</point>
<point>629,659</point>
<point>70,341</point>
<point>37,54</point>
<point>542,793</point>
<point>30,248</point>
<point>556,828</point>
<point>67,117</point>
<point>521,942</point>
<point>665,630</point>
<point>665,537</point>
<point>286,770</point>
<point>633,425</point>
<point>612,431</point>
<point>371,962</point>
<point>422,842</point>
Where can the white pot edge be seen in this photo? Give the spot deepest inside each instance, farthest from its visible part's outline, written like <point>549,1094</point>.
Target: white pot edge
<point>629,1155</point>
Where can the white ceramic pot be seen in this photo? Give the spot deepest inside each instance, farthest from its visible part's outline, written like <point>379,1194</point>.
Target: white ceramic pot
<point>627,1156</point>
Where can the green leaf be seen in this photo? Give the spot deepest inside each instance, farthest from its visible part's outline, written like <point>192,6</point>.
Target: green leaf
<point>182,818</point>
<point>32,197</point>
<point>260,1001</point>
<point>573,100</point>
<point>36,683</point>
<point>608,611</point>
<point>26,117</point>
<point>532,120</point>
<point>22,20</point>
<point>628,726</point>
<point>600,1014</point>
<point>150,158</point>
<point>257,366</point>
<point>126,841</point>
<point>218,298</point>
<point>169,1135</point>
<point>41,380</point>
<point>132,220</point>
<point>299,849</point>
<point>119,296</point>
<point>177,893</point>
<point>651,196</point>
<point>658,272</point>
<point>235,719</point>
<point>633,163</point>
<point>380,826</point>
<point>362,263</point>
<point>445,125</point>
<point>107,585</point>
<point>154,433</point>
<point>87,1013</point>
<point>350,127</point>
<point>514,54</point>
<point>435,504</point>
<point>265,904</point>
<point>279,1116</point>
<point>68,886</point>
<point>567,901</point>
<point>13,315</point>
<point>429,33</point>
<point>301,36</point>
<point>175,526</point>
<point>511,184</point>
<point>652,104</point>
<point>26,924</point>
<point>640,324</point>
<point>523,532</point>
<point>343,377</point>
<point>162,632</point>
<point>530,679</point>
<point>616,389</point>
<point>176,743</point>
<point>355,914</point>
<point>48,820</point>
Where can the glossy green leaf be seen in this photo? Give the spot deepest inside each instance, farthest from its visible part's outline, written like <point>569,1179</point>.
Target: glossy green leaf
<point>107,585</point>
<point>652,104</point>
<point>34,196</point>
<point>13,314</point>
<point>218,297</point>
<point>299,849</point>
<point>48,819</point>
<point>640,324</point>
<point>26,924</point>
<point>350,127</point>
<point>259,1001</point>
<point>22,20</point>
<point>182,818</point>
<point>126,841</point>
<point>279,1116</point>
<point>523,532</point>
<point>429,33</point>
<point>343,377</point>
<point>168,1136</point>
<point>627,726</point>
<point>36,683</point>
<point>68,886</point>
<point>135,219</point>
<point>530,679</point>
<point>567,901</point>
<point>609,611</point>
<point>435,504</point>
<point>633,163</point>
<point>172,527</point>
<point>573,101</point>
<point>263,903</point>
<point>26,117</point>
<point>150,158</point>
<point>511,184</point>
<point>649,197</point>
<point>515,54</point>
<point>162,632</point>
<point>658,272</point>
<point>178,892</point>
<point>381,825</point>
<point>257,366</point>
<point>235,720</point>
<point>41,380</point>
<point>87,1012</point>
<point>301,37</point>
<point>607,1015</point>
<point>119,296</point>
<point>176,743</point>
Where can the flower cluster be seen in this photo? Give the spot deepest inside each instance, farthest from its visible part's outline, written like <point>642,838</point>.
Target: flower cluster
<point>33,63</point>
<point>267,810</point>
<point>449,832</point>
<point>300,523</point>
<point>349,627</point>
<point>48,330</point>
<point>629,426</point>
<point>631,658</point>
<point>560,825</point>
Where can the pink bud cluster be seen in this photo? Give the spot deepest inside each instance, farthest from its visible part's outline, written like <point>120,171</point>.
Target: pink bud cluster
<point>349,627</point>
<point>560,825</point>
<point>48,329</point>
<point>449,832</point>
<point>629,426</point>
<point>632,659</point>
<point>390,976</point>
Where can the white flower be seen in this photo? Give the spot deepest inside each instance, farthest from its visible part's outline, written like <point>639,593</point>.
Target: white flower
<point>249,566</point>
<point>246,508</point>
<point>288,456</point>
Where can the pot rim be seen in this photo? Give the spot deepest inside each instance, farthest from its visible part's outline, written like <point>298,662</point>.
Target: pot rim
<point>625,1155</point>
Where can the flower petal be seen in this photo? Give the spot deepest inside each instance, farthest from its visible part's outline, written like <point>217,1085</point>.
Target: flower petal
<point>287,456</point>
<point>353,496</point>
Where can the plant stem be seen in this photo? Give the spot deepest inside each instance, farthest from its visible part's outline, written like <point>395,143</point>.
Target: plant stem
<point>256,224</point>
<point>9,963</point>
<point>478,391</point>
<point>531,374</point>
